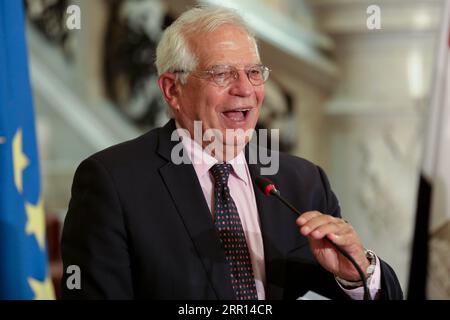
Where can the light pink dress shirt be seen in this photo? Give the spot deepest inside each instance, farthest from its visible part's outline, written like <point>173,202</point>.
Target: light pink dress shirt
<point>243,194</point>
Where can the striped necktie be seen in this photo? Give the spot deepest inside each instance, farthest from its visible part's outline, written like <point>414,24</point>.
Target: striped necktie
<point>231,233</point>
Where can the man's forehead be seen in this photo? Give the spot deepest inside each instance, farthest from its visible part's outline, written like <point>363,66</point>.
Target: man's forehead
<point>225,36</point>
<point>226,43</point>
<point>238,61</point>
<point>230,45</point>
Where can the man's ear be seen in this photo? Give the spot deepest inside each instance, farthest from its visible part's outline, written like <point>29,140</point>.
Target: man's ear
<point>169,88</point>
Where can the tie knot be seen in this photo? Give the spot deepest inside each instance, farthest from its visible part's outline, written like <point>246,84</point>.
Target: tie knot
<point>221,172</point>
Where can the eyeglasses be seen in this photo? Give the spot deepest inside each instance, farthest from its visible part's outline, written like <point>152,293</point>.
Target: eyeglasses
<point>224,75</point>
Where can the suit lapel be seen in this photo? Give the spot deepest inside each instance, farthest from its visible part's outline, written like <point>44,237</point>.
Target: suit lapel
<point>185,190</point>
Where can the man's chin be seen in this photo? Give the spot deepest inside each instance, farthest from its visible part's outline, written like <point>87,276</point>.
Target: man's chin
<point>236,140</point>
<point>237,137</point>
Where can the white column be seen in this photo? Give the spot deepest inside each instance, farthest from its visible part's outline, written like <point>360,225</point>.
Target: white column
<point>376,117</point>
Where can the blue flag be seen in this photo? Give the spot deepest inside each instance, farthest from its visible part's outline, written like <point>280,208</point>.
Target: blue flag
<point>23,257</point>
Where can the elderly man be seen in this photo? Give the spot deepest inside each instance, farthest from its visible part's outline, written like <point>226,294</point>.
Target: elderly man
<point>142,225</point>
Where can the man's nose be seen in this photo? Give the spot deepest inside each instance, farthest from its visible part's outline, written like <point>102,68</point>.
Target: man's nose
<point>242,85</point>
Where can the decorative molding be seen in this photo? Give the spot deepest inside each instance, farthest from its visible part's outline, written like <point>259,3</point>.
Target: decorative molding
<point>130,79</point>
<point>100,127</point>
<point>380,188</point>
<point>327,3</point>
<point>371,108</point>
<point>346,17</point>
<point>282,36</point>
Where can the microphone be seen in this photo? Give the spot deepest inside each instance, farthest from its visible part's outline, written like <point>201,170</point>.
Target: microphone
<point>268,188</point>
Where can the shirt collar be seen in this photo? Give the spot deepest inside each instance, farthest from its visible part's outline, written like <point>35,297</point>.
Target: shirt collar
<point>239,164</point>
<point>202,161</point>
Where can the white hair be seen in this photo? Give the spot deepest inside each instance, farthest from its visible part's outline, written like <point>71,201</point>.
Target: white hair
<point>173,52</point>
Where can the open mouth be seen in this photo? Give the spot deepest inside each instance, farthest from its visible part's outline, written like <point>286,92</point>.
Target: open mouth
<point>237,115</point>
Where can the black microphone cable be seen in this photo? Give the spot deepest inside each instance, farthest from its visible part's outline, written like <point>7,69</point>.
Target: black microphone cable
<point>268,188</point>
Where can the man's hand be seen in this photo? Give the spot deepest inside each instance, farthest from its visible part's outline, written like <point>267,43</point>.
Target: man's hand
<point>316,226</point>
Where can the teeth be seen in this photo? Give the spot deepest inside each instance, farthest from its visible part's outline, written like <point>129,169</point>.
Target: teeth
<point>248,109</point>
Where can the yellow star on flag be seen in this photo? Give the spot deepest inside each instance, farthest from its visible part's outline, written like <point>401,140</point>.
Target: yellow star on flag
<point>20,160</point>
<point>36,221</point>
<point>43,290</point>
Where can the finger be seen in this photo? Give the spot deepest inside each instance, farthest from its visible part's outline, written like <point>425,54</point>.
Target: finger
<point>332,227</point>
<point>318,221</point>
<point>347,237</point>
<point>351,245</point>
<point>313,223</point>
<point>306,216</point>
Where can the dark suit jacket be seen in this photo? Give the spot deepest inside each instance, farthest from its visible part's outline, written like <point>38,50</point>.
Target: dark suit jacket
<point>138,226</point>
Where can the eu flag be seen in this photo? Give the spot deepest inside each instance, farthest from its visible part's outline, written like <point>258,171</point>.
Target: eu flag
<point>23,257</point>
